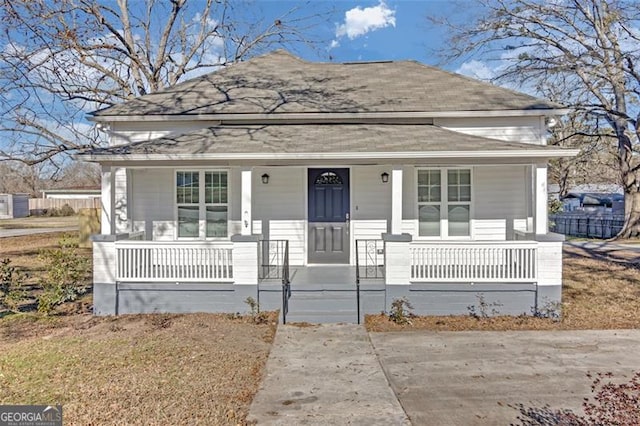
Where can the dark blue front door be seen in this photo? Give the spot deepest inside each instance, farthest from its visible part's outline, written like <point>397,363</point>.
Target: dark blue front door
<point>328,215</point>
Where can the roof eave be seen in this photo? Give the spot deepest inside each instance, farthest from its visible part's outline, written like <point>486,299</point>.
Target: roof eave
<point>330,116</point>
<point>497,154</point>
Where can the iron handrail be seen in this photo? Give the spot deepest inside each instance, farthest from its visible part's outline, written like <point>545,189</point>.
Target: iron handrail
<point>271,254</point>
<point>373,256</point>
<point>358,281</point>
<point>286,283</point>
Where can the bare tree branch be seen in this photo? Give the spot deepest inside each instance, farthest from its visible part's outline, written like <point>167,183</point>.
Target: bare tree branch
<point>60,59</point>
<point>588,49</point>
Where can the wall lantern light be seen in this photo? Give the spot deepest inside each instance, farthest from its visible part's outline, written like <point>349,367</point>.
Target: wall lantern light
<point>265,178</point>
<point>385,177</point>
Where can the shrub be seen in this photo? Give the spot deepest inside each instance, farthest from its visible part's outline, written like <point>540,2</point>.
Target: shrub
<point>51,212</point>
<point>66,210</point>
<point>12,290</point>
<point>401,311</point>
<point>254,309</point>
<point>549,309</point>
<point>484,309</point>
<point>555,206</point>
<point>65,275</point>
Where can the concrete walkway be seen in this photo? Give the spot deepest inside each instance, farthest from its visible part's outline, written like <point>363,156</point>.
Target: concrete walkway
<point>325,375</point>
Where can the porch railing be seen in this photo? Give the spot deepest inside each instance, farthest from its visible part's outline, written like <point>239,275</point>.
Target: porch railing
<point>369,259</point>
<point>273,263</point>
<point>141,261</point>
<point>474,262</point>
<point>369,264</point>
<point>272,255</point>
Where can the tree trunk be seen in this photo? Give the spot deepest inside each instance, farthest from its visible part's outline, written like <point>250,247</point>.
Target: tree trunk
<point>631,226</point>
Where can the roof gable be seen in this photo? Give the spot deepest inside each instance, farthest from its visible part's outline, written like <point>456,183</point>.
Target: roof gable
<point>280,83</point>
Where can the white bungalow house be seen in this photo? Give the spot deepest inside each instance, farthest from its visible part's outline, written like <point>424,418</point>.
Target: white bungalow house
<point>439,180</point>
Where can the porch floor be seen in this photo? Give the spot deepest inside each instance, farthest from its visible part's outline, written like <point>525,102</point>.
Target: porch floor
<point>324,276</point>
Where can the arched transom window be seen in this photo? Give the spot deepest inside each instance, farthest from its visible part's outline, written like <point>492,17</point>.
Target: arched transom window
<point>328,178</point>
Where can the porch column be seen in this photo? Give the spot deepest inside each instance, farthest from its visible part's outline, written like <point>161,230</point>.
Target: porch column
<point>396,201</point>
<point>105,295</point>
<point>529,194</point>
<point>107,200</point>
<point>540,220</point>
<point>245,259</point>
<point>397,259</point>
<point>245,205</point>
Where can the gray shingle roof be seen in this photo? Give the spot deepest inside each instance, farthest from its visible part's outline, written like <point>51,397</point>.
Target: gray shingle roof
<point>317,138</point>
<point>279,82</point>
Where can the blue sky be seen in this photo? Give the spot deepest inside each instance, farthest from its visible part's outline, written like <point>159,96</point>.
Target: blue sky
<point>366,30</point>
<point>356,30</point>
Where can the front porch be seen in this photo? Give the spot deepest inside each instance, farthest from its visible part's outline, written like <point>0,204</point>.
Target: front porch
<point>486,202</point>
<point>438,278</point>
<point>448,236</point>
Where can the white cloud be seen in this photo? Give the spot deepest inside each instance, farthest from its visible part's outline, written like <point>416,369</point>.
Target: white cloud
<point>359,21</point>
<point>477,69</point>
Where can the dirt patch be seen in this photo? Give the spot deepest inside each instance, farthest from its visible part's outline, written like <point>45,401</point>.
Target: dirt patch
<point>138,369</point>
<point>600,291</point>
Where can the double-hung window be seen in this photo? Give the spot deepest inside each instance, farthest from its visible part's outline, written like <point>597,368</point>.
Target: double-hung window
<point>444,203</point>
<point>202,204</point>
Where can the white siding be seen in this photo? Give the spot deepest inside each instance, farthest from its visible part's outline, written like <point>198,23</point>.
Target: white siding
<point>280,208</point>
<point>294,231</point>
<point>515,129</point>
<point>370,203</point>
<point>153,209</point>
<point>409,194</point>
<point>499,201</point>
<point>284,197</point>
<point>127,132</point>
<point>235,198</point>
<point>368,230</point>
<point>549,263</point>
<point>371,199</point>
<point>410,227</point>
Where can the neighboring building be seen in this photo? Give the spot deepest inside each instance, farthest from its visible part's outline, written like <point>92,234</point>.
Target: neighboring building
<point>71,193</point>
<point>594,202</point>
<point>449,173</point>
<point>13,206</point>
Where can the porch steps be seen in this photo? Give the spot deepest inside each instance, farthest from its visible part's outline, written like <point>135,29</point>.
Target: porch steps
<point>327,303</point>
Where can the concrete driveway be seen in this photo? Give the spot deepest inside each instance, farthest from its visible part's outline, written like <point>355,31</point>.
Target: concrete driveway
<point>471,378</point>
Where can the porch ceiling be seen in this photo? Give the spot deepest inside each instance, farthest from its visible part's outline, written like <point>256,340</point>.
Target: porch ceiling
<point>323,142</point>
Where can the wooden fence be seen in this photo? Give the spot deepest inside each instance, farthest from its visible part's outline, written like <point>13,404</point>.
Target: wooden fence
<point>38,206</point>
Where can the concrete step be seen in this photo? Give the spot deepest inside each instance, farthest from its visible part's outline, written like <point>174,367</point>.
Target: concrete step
<point>332,303</point>
<point>322,317</point>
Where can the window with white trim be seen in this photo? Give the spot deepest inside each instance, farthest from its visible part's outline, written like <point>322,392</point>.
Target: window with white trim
<point>444,203</point>
<point>202,204</point>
